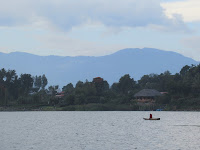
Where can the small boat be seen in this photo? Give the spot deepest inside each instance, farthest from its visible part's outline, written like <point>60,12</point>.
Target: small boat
<point>151,118</point>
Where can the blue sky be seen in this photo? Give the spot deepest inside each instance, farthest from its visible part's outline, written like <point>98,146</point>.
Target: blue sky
<point>99,27</point>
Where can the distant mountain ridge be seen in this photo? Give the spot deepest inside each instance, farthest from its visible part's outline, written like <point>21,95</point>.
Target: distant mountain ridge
<point>63,70</point>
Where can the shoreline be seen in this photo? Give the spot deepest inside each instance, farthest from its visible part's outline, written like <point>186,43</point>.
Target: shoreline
<point>78,108</point>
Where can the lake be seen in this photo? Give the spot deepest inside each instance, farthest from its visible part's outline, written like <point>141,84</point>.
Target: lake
<point>95,130</point>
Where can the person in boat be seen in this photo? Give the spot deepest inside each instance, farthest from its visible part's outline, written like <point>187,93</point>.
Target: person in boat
<point>150,116</point>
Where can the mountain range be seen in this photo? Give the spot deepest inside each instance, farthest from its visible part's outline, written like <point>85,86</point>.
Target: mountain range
<point>61,70</point>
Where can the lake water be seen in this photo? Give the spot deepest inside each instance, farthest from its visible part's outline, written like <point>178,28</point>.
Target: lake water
<point>99,131</point>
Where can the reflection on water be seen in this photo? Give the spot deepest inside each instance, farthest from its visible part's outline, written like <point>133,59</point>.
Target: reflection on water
<point>99,131</point>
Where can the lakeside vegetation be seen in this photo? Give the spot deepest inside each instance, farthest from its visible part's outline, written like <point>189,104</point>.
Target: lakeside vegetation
<point>27,92</point>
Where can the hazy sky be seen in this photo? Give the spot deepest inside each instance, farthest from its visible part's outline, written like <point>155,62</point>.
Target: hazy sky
<point>99,27</point>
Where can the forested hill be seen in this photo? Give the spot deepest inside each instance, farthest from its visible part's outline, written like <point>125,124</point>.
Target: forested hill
<point>63,70</point>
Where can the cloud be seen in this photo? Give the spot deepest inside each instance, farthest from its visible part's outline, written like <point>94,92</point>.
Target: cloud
<point>192,42</point>
<point>5,50</point>
<point>64,15</point>
<point>189,9</point>
<point>175,24</point>
<point>192,45</point>
<point>60,44</point>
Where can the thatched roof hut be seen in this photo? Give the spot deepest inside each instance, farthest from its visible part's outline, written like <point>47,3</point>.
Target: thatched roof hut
<point>147,93</point>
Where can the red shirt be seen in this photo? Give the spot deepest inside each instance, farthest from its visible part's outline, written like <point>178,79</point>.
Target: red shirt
<point>150,115</point>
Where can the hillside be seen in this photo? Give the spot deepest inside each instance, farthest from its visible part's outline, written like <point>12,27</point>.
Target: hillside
<point>63,70</point>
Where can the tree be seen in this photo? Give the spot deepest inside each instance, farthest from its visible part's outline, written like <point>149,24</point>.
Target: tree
<point>126,84</point>
<point>184,70</point>
<point>53,90</point>
<point>38,82</point>
<point>10,76</point>
<point>69,88</point>
<point>143,81</point>
<point>79,88</point>
<point>115,87</point>
<point>26,83</point>
<point>79,84</point>
<point>101,87</point>
<point>196,85</point>
<point>70,100</point>
<point>2,75</point>
<point>44,81</point>
<point>165,80</point>
<point>7,79</point>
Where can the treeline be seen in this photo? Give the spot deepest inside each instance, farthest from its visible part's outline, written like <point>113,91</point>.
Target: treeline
<point>15,89</point>
<point>182,90</point>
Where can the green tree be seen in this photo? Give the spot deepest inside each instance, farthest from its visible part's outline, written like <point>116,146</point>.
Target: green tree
<point>184,70</point>
<point>44,81</point>
<point>115,87</point>
<point>69,88</point>
<point>196,85</point>
<point>26,83</point>
<point>38,82</point>
<point>101,87</point>
<point>2,76</point>
<point>126,84</point>
<point>70,99</point>
<point>52,90</point>
<point>7,80</point>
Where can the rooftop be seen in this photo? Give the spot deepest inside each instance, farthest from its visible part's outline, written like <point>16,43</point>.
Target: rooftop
<point>147,93</point>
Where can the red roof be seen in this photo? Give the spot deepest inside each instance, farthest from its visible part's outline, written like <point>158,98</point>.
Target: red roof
<point>97,79</point>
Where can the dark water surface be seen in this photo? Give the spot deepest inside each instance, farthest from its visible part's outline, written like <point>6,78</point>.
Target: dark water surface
<point>99,131</point>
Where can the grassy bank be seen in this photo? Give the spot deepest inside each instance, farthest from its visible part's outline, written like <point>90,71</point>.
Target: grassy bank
<point>86,107</point>
<point>97,107</point>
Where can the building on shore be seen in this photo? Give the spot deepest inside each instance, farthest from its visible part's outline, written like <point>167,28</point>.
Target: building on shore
<point>146,98</point>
